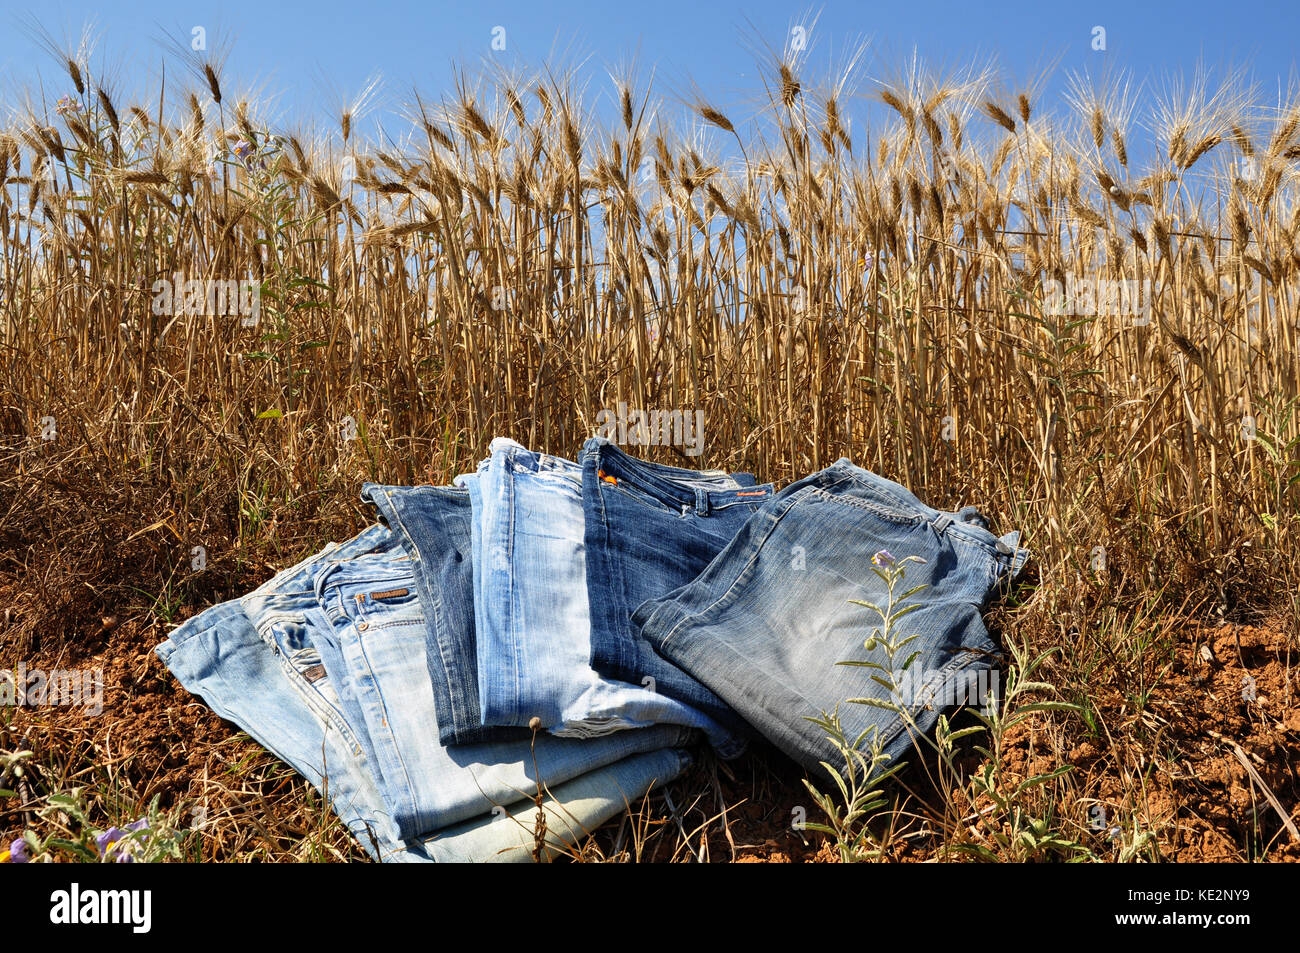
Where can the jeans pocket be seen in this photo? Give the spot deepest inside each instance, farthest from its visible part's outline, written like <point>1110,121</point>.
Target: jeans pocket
<point>383,605</point>
<point>638,498</point>
<point>378,598</point>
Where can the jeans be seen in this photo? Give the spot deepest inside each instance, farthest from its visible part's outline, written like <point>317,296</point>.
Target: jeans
<point>266,674</point>
<point>767,622</point>
<point>435,524</point>
<point>573,810</point>
<point>375,627</point>
<point>534,634</point>
<point>648,530</point>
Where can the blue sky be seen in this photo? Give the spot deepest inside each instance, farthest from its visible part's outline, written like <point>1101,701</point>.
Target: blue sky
<point>288,47</point>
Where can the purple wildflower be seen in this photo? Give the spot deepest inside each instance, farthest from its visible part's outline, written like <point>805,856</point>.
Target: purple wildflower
<point>243,149</point>
<point>106,839</point>
<point>883,558</point>
<point>18,852</point>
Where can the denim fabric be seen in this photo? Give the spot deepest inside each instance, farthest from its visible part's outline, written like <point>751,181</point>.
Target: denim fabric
<point>765,624</point>
<point>435,524</point>
<point>534,644</point>
<point>272,684</point>
<point>377,627</point>
<point>287,614</point>
<point>219,656</point>
<point>380,626</point>
<point>649,529</point>
<point>573,810</point>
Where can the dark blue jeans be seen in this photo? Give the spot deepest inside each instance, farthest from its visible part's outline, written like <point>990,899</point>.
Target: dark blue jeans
<point>649,529</point>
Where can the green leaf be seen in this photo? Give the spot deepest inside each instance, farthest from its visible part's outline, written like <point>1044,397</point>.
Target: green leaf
<point>870,605</point>
<point>1034,687</point>
<point>1038,779</point>
<point>1051,706</point>
<point>271,414</point>
<point>908,610</point>
<point>874,703</point>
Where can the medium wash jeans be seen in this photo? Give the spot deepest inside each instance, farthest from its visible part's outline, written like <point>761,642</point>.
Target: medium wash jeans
<point>435,525</point>
<point>534,641</point>
<point>767,622</point>
<point>266,674</point>
<point>648,529</point>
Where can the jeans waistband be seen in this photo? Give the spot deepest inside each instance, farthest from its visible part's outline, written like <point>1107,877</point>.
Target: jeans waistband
<point>967,523</point>
<point>523,459</point>
<point>673,486</point>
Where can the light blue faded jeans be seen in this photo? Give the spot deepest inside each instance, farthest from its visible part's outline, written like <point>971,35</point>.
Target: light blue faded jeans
<point>265,673</point>
<point>534,630</point>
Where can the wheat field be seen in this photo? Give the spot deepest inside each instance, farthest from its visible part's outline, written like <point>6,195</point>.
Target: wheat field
<point>214,329</point>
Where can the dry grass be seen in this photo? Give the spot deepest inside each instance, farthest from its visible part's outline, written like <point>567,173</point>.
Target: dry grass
<point>517,264</point>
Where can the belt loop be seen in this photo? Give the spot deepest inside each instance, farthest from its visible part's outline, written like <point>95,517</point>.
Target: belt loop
<point>972,515</point>
<point>701,501</point>
<point>941,522</point>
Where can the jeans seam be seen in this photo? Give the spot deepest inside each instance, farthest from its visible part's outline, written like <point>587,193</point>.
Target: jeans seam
<point>897,725</point>
<point>412,800</point>
<point>504,537</point>
<point>877,508</point>
<point>754,548</point>
<point>848,473</point>
<point>459,717</point>
<point>641,498</point>
<point>312,696</point>
<point>434,608</point>
<point>624,656</point>
<point>460,714</point>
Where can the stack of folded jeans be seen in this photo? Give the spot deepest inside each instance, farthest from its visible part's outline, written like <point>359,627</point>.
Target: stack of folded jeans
<point>566,631</point>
